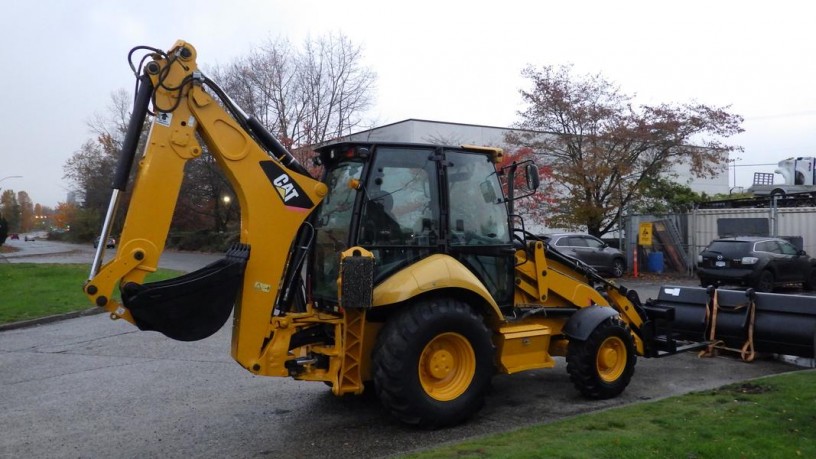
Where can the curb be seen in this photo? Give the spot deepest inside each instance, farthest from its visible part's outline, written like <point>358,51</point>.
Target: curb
<point>50,319</point>
<point>17,255</point>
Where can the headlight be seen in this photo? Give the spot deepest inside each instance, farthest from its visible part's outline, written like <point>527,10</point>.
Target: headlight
<point>749,260</point>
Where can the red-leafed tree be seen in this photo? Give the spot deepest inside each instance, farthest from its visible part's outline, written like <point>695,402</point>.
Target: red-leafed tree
<point>534,208</point>
<point>605,152</point>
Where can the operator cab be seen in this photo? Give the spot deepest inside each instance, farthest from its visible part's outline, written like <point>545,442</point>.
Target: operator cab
<point>405,202</point>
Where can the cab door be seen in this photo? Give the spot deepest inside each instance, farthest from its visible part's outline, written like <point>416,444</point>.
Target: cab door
<point>477,230</point>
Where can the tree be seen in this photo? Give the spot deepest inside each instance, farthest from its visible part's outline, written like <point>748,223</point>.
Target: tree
<point>91,169</point>
<point>26,212</point>
<point>4,230</point>
<point>604,151</point>
<point>303,96</point>
<point>664,196</point>
<point>533,208</point>
<point>10,210</point>
<point>64,214</point>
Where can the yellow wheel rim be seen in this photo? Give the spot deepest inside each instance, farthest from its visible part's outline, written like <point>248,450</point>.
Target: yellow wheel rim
<point>446,366</point>
<point>611,359</point>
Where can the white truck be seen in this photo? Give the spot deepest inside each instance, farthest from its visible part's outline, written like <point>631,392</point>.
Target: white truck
<point>799,176</point>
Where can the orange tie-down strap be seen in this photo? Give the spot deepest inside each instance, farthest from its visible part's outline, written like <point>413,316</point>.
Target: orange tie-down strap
<point>747,352</point>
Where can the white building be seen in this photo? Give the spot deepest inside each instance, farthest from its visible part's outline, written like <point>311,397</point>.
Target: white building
<point>427,131</point>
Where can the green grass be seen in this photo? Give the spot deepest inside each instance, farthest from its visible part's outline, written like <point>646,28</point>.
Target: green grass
<point>33,290</point>
<point>768,417</point>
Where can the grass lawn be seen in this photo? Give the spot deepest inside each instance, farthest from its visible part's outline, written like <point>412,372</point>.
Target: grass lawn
<point>33,290</point>
<point>763,418</point>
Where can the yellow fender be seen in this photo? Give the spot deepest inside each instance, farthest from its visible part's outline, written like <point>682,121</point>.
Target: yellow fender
<point>432,273</point>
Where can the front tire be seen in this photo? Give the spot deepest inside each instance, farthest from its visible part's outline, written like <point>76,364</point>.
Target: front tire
<point>810,282</point>
<point>433,362</point>
<point>618,268</point>
<point>602,366</point>
<point>765,283</point>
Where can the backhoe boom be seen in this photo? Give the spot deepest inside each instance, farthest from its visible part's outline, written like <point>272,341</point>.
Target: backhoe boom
<point>274,200</point>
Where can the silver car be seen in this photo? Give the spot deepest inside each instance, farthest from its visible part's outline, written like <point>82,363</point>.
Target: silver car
<point>590,250</point>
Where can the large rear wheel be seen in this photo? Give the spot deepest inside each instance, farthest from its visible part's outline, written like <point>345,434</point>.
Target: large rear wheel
<point>602,366</point>
<point>432,363</point>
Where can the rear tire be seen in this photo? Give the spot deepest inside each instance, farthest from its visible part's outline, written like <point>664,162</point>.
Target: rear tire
<point>433,362</point>
<point>602,366</point>
<point>765,283</point>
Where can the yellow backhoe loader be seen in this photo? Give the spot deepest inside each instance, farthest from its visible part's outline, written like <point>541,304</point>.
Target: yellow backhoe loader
<point>403,270</point>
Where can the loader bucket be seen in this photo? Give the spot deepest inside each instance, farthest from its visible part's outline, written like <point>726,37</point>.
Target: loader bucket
<point>193,306</point>
<point>768,322</point>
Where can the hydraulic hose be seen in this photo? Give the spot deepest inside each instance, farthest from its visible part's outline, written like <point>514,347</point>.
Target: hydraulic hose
<point>133,133</point>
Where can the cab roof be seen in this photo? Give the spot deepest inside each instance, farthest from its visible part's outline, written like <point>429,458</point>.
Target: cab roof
<point>344,146</point>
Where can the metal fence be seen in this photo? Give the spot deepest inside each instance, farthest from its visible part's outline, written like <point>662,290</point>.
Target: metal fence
<point>694,230</point>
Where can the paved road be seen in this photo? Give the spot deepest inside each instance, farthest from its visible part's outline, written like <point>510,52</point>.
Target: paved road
<point>91,387</point>
<point>43,251</point>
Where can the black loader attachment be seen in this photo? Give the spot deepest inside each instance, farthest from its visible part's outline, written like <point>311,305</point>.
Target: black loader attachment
<point>746,322</point>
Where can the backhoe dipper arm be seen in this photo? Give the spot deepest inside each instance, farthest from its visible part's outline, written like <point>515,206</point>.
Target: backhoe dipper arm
<point>275,195</point>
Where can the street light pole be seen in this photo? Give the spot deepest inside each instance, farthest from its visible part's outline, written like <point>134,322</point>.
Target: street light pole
<point>10,177</point>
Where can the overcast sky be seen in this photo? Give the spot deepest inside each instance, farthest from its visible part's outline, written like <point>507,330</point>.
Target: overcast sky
<point>445,61</point>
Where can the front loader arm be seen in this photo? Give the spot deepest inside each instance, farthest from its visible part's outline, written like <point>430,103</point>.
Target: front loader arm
<point>550,278</point>
<point>274,200</point>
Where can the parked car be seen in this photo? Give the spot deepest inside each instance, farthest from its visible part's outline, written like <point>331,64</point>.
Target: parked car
<point>14,236</point>
<point>29,238</point>
<point>759,262</point>
<point>591,250</point>
<point>111,243</point>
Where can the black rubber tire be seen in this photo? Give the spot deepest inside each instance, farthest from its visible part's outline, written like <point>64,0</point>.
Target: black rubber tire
<point>810,282</point>
<point>396,365</point>
<point>583,361</point>
<point>765,283</point>
<point>705,282</point>
<point>618,268</point>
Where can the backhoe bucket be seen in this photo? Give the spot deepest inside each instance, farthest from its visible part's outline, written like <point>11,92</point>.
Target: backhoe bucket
<point>193,306</point>
<point>743,320</point>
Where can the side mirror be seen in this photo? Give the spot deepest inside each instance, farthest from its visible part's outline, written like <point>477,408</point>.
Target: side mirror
<point>531,174</point>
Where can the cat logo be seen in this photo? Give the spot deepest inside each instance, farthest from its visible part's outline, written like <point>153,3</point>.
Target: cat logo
<point>287,188</point>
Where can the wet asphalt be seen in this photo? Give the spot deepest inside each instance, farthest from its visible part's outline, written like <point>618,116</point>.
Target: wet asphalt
<point>92,387</point>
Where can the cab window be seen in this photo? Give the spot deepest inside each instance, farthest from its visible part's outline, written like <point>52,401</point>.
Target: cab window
<point>477,213</point>
<point>399,217</point>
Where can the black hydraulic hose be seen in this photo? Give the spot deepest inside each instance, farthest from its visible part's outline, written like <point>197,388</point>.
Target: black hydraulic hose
<point>267,140</point>
<point>134,132</point>
<point>275,147</point>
